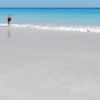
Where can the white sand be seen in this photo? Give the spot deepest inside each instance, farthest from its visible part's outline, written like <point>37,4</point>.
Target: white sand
<point>49,65</point>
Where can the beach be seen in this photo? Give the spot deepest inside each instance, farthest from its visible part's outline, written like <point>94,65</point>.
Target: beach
<point>37,64</point>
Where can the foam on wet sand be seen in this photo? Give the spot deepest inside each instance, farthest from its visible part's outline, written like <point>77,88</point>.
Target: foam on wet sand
<point>67,28</point>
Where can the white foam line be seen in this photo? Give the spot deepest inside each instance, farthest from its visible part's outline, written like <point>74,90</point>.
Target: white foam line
<point>75,28</point>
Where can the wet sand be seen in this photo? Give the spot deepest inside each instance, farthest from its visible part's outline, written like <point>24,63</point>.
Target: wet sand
<point>49,65</point>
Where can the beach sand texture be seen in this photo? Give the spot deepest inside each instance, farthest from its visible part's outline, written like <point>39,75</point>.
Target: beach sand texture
<point>49,65</point>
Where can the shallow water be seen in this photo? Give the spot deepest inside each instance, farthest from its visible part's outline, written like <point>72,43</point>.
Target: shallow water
<point>53,16</point>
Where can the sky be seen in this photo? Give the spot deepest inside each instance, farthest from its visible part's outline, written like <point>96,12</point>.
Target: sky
<point>49,3</point>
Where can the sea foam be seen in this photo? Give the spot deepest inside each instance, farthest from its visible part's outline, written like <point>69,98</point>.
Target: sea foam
<point>75,28</point>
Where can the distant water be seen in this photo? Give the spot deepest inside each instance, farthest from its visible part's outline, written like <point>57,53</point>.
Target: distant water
<point>62,16</point>
<point>53,16</point>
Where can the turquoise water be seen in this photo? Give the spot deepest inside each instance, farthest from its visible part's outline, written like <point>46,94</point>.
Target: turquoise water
<point>56,16</point>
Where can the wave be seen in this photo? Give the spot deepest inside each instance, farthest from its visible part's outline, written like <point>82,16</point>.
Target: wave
<point>75,28</point>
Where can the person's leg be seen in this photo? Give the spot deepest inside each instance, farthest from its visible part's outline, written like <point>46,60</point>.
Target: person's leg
<point>8,23</point>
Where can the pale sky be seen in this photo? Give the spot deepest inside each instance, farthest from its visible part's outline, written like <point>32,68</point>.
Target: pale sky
<point>49,3</point>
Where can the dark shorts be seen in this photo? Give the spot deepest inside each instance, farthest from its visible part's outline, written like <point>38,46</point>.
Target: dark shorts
<point>9,20</point>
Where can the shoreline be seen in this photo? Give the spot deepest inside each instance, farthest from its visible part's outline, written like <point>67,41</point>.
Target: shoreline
<point>68,28</point>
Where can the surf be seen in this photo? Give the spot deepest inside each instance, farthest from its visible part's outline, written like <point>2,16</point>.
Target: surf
<point>74,28</point>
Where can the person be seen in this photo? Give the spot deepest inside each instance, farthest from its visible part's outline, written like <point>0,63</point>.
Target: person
<point>9,20</point>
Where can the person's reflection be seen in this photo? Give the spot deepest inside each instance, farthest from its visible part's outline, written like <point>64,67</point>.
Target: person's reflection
<point>9,33</point>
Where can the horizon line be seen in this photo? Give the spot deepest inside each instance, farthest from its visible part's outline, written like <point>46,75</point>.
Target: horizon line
<point>50,7</point>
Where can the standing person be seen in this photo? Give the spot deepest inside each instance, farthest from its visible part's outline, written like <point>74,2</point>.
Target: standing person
<point>9,20</point>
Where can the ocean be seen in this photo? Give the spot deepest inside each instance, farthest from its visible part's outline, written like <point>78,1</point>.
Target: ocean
<point>52,16</point>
